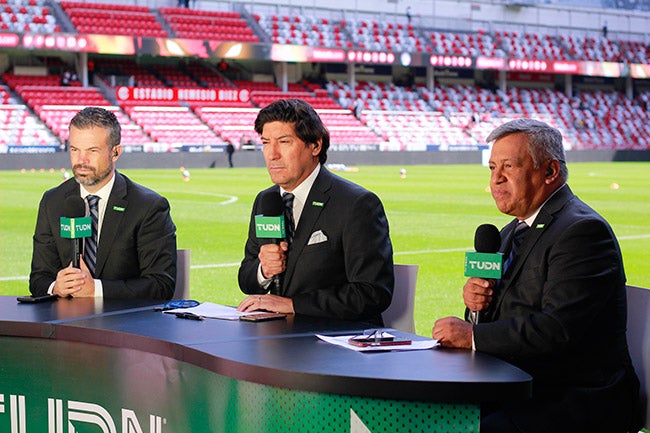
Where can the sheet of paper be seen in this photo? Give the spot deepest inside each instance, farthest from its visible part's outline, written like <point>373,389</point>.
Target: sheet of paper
<point>343,342</point>
<point>210,310</point>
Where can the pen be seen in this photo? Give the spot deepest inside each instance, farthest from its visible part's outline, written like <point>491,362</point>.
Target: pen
<point>190,316</point>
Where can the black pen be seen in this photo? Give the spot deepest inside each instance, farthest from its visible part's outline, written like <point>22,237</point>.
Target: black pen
<point>190,316</point>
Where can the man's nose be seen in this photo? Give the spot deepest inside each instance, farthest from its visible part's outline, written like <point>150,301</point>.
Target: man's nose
<point>497,176</point>
<point>272,150</point>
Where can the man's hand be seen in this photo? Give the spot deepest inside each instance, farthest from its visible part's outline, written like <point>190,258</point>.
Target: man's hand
<point>74,282</point>
<point>274,303</point>
<point>477,293</point>
<point>68,281</point>
<point>453,332</point>
<point>273,259</point>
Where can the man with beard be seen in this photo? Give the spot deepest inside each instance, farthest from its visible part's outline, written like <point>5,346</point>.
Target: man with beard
<point>132,252</point>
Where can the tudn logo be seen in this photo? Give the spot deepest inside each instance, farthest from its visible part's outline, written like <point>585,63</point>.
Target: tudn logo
<point>77,412</point>
<point>484,265</point>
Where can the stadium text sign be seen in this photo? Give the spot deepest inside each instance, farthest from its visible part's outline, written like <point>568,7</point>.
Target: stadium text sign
<point>171,94</point>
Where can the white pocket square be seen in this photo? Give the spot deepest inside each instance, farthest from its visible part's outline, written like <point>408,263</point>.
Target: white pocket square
<point>317,237</point>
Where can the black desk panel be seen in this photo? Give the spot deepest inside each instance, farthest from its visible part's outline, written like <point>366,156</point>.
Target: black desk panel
<point>307,363</point>
<point>168,327</point>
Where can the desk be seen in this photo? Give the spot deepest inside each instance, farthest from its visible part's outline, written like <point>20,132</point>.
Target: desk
<point>121,367</point>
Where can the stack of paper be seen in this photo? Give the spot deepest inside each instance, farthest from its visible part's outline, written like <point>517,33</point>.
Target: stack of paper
<point>215,311</point>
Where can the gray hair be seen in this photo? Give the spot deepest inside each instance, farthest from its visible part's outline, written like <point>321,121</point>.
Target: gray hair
<point>544,141</point>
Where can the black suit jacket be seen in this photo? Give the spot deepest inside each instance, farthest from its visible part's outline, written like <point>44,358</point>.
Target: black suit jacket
<point>348,276</point>
<point>136,255</point>
<point>560,315</point>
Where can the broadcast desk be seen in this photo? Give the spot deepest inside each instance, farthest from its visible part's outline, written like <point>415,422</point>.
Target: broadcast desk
<point>114,366</point>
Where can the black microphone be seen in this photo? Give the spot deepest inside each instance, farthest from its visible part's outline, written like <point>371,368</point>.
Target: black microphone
<point>485,262</point>
<point>74,207</point>
<point>487,239</point>
<point>271,224</point>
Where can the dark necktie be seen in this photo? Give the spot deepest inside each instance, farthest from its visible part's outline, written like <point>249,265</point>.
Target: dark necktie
<point>520,231</point>
<point>90,248</point>
<point>287,198</point>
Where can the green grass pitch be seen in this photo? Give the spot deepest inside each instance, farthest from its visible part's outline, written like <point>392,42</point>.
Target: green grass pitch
<point>433,213</point>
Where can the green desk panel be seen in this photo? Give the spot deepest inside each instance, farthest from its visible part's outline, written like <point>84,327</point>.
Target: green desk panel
<point>50,386</point>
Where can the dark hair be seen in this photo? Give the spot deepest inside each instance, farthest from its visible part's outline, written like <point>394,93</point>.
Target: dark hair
<point>306,122</point>
<point>100,117</point>
<point>544,141</point>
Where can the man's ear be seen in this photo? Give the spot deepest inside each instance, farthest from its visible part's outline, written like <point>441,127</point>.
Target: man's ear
<point>552,171</point>
<point>317,147</point>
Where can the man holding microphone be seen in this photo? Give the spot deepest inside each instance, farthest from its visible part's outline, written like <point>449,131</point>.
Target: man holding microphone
<point>132,250</point>
<point>559,310</point>
<point>337,258</point>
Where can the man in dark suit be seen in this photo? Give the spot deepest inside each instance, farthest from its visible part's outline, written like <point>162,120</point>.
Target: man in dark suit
<point>340,260</point>
<point>559,311</point>
<point>136,238</point>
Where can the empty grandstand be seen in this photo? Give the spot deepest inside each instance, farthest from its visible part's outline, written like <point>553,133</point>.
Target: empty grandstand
<point>194,78</point>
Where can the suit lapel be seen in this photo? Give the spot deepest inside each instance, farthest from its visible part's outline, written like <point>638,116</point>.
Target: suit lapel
<point>314,205</point>
<point>544,219</point>
<point>117,203</point>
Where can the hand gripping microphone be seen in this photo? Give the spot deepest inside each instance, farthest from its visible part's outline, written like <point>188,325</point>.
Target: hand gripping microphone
<point>485,262</point>
<point>75,225</point>
<point>270,224</point>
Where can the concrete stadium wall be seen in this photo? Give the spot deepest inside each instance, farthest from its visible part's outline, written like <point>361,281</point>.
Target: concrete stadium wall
<point>254,159</point>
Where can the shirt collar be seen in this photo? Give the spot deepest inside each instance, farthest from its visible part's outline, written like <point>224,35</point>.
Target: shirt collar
<point>302,191</point>
<point>103,193</point>
<point>531,219</point>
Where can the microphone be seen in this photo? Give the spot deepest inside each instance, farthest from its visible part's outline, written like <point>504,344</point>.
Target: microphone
<point>485,262</point>
<point>75,225</point>
<point>270,224</point>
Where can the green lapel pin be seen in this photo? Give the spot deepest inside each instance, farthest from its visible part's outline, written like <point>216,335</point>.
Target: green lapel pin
<point>317,203</point>
<point>539,226</point>
<point>118,209</point>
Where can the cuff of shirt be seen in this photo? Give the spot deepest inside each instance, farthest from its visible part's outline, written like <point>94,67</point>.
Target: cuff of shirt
<point>264,282</point>
<point>473,344</point>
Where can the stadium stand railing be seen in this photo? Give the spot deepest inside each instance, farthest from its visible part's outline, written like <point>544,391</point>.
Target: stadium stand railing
<point>113,19</point>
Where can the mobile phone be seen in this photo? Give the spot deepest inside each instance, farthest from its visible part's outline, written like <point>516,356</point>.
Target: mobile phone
<point>263,317</point>
<point>35,299</point>
<point>372,338</point>
<point>373,343</point>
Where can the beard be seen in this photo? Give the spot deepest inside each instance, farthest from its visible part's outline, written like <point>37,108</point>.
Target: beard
<point>91,179</point>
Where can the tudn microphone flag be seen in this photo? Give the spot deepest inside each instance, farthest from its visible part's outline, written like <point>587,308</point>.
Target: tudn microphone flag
<point>485,262</point>
<point>271,224</point>
<point>75,225</point>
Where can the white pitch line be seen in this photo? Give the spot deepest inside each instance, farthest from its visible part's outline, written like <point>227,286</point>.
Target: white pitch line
<point>230,198</point>
<point>13,278</point>
<point>397,253</point>
<point>446,250</point>
<point>633,237</point>
<point>215,265</point>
